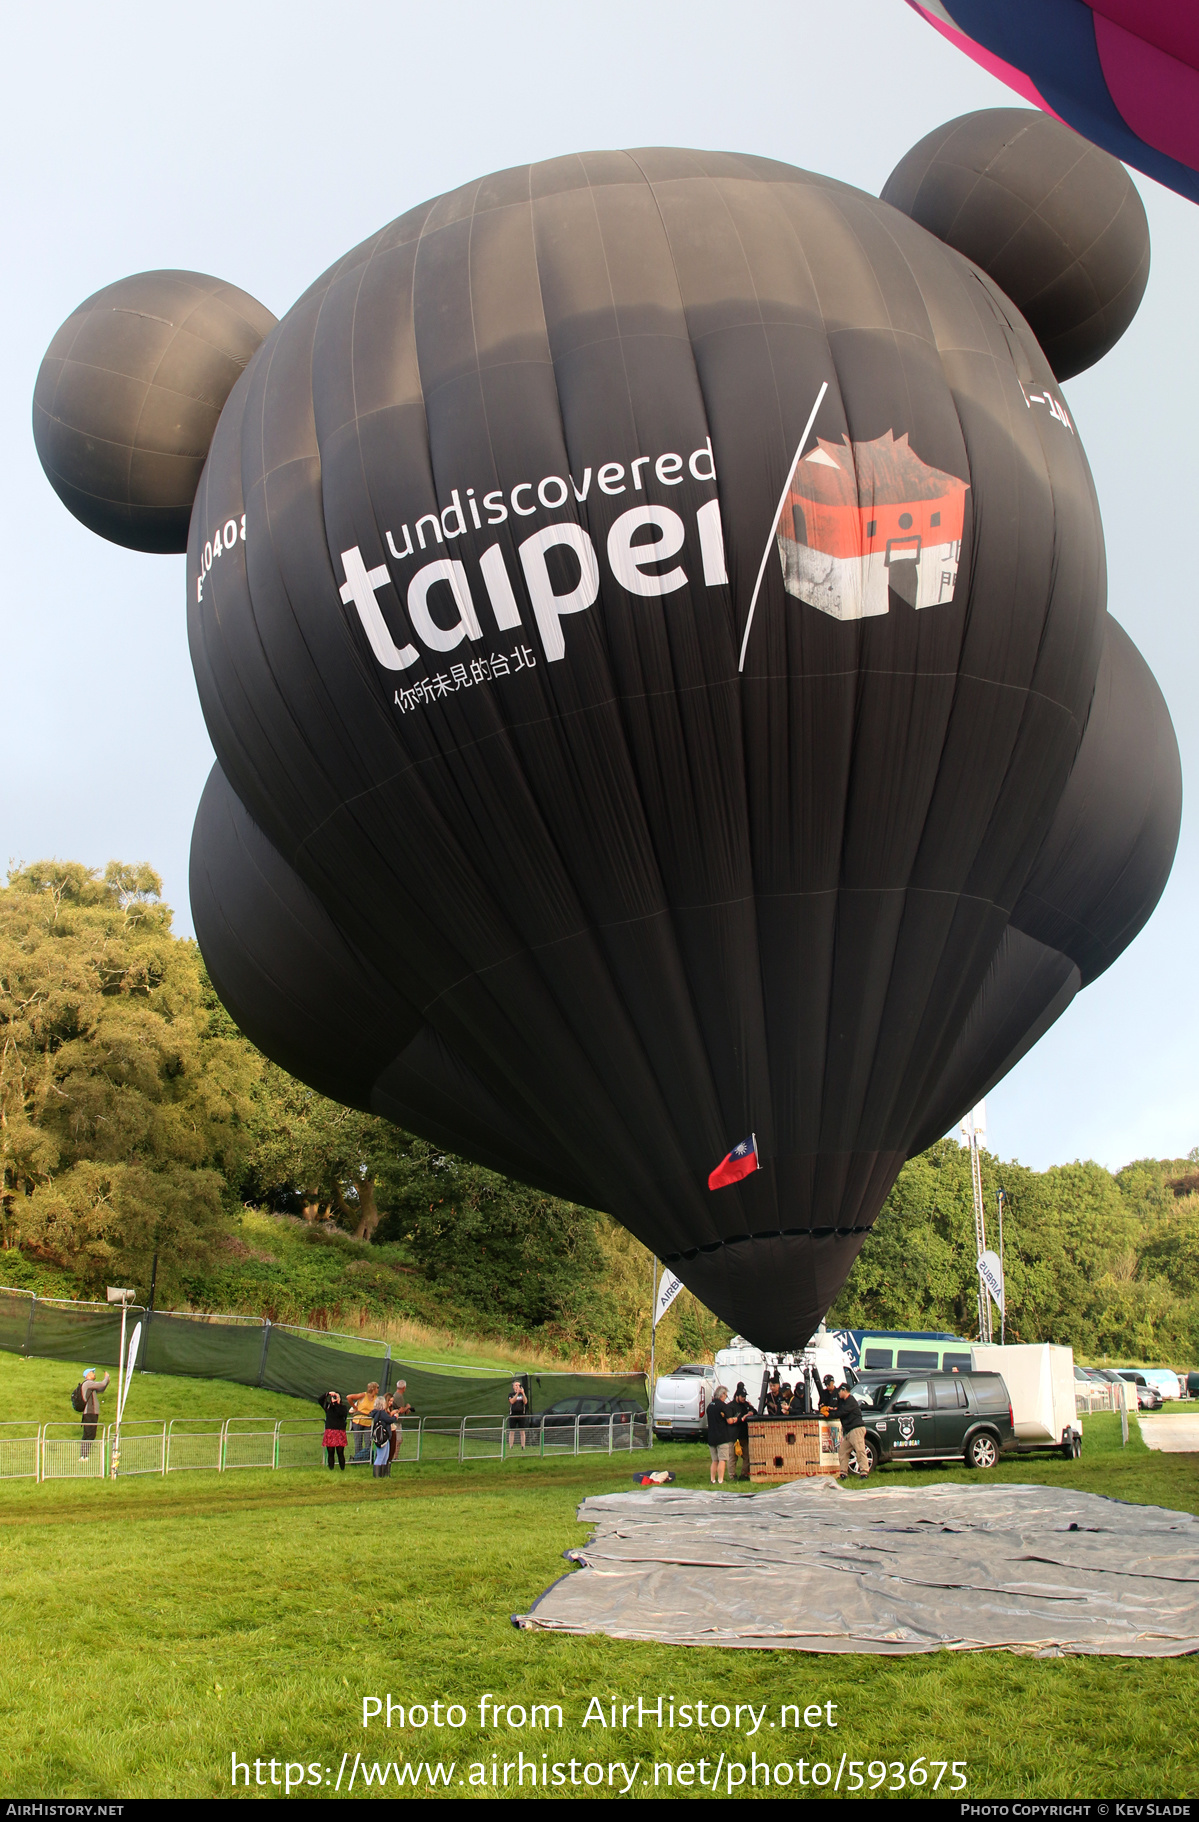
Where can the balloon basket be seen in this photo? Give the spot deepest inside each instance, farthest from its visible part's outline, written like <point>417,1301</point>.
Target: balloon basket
<point>789,1448</point>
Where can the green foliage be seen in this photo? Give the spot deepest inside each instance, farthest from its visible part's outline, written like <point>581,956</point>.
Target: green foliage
<point>1106,1264</point>
<point>120,1113</point>
<point>136,1119</point>
<point>531,1258</point>
<point>314,1156</point>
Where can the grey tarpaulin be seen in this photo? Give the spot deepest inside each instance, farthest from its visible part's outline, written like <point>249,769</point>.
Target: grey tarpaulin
<point>807,1567</point>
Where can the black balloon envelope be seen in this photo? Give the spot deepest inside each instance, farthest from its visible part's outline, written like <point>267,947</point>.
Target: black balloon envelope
<point>129,394</point>
<point>649,609</point>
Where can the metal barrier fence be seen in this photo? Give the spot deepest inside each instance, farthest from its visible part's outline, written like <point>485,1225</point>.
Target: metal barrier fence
<point>1110,1397</point>
<point>64,1451</point>
<point>18,1450</point>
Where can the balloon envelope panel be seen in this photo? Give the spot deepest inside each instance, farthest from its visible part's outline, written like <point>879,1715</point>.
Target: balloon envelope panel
<point>128,397</point>
<point>661,639</point>
<point>1056,222</point>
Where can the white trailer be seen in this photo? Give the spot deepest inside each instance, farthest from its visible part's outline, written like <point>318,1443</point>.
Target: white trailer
<point>1040,1383</point>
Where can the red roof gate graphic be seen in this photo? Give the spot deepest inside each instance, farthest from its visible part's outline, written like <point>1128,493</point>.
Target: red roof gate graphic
<point>853,511</point>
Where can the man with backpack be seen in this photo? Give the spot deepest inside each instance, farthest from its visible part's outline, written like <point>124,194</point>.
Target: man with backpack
<point>86,1400</point>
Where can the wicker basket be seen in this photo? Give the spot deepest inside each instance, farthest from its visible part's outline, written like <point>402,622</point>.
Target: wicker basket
<point>790,1448</point>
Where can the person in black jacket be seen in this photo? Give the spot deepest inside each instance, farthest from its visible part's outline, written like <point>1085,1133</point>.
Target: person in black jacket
<point>774,1397</point>
<point>518,1404</point>
<point>853,1433</point>
<point>720,1436</point>
<point>740,1410</point>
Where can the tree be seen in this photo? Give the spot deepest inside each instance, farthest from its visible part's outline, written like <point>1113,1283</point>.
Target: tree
<point>1106,1264</point>
<point>529,1257</point>
<point>326,1161</point>
<point>120,1114</point>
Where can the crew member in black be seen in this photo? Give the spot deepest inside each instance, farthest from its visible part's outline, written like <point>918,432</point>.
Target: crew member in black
<point>828,1398</point>
<point>774,1398</point>
<point>740,1412</point>
<point>720,1435</point>
<point>853,1433</point>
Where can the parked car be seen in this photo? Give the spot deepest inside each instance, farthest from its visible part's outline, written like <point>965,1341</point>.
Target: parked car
<point>1108,1375</point>
<point>589,1411</point>
<point>937,1417</point>
<point>1148,1396</point>
<point>1168,1383</point>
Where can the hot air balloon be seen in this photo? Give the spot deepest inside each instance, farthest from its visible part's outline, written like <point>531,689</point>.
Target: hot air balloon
<point>649,610</point>
<point>1124,73</point>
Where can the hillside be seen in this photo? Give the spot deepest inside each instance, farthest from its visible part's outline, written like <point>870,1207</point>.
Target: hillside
<point>143,1138</point>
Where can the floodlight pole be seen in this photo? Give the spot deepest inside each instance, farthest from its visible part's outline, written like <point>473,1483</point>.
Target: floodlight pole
<point>122,1297</point>
<point>116,1450</point>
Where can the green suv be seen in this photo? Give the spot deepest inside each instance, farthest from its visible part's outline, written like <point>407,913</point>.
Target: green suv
<point>937,1417</point>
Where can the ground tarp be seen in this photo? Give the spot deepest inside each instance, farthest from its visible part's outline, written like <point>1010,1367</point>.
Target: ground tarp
<point>810,1566</point>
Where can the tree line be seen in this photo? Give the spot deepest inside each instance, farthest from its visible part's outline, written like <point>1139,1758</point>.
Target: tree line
<point>137,1122</point>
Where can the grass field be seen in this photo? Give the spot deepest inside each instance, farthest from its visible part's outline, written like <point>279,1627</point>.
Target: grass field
<point>153,1628</point>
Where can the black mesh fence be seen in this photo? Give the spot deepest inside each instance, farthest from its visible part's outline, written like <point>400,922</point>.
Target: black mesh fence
<point>300,1362</point>
<point>203,1350</point>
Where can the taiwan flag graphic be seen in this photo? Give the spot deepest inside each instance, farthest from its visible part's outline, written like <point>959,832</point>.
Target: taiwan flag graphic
<point>741,1160</point>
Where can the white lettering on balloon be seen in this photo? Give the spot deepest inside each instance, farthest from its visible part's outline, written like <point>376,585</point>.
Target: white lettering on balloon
<point>446,599</point>
<point>231,532</point>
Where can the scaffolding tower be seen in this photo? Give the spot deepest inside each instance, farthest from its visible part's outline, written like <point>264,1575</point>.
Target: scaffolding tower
<point>980,1226</point>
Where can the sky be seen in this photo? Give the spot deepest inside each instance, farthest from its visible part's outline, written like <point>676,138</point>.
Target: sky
<point>258,141</point>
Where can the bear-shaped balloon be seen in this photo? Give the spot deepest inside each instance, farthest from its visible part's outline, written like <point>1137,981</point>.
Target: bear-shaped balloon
<point>649,609</point>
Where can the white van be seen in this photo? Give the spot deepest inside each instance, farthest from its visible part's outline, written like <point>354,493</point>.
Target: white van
<point>681,1402</point>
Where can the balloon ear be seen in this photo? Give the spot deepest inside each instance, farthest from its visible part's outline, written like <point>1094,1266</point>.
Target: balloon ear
<point>1055,221</point>
<point>128,397</point>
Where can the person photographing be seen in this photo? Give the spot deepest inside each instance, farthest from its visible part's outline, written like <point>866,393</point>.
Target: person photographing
<point>89,1391</point>
<point>337,1416</point>
<point>518,1404</point>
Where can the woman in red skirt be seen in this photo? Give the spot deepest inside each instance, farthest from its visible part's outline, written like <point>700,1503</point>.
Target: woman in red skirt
<point>337,1416</point>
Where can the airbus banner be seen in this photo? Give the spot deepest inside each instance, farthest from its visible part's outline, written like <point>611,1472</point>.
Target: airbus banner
<point>991,1273</point>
